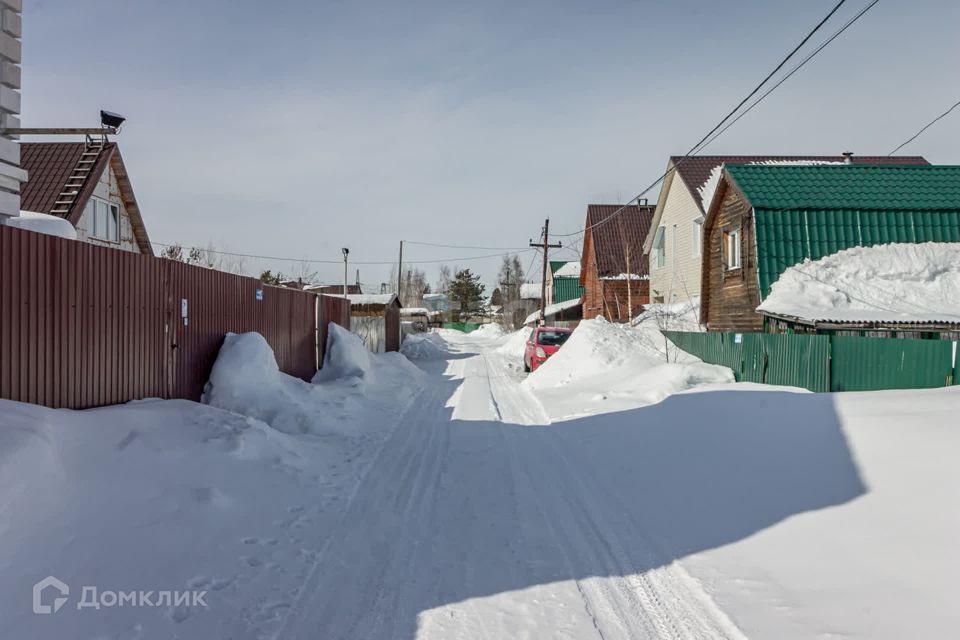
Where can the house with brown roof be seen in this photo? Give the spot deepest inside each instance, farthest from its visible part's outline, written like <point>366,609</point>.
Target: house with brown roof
<point>87,184</point>
<point>675,244</point>
<point>613,268</point>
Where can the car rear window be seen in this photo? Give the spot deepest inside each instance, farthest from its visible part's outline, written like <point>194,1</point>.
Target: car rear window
<point>553,338</point>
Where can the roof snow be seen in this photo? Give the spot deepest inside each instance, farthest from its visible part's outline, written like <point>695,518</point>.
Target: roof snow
<point>552,309</point>
<point>44,223</point>
<point>569,270</point>
<point>894,283</point>
<point>530,291</point>
<point>371,298</point>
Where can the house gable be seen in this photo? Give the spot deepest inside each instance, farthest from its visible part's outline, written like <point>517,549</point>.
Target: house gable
<point>50,165</point>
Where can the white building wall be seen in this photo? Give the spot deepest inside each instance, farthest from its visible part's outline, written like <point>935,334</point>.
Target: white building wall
<point>11,175</point>
<point>107,189</point>
<point>679,278</point>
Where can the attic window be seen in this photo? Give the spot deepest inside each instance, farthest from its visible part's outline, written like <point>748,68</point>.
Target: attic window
<point>660,248</point>
<point>104,219</point>
<point>731,249</point>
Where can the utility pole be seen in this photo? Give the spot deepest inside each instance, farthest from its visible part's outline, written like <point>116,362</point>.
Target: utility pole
<point>543,281</point>
<point>400,273</point>
<point>346,252</point>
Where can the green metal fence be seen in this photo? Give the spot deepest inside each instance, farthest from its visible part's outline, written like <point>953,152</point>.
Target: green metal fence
<point>826,363</point>
<point>466,327</point>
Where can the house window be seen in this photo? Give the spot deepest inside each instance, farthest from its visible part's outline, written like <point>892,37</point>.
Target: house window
<point>697,239</point>
<point>660,248</point>
<point>106,219</point>
<point>731,249</point>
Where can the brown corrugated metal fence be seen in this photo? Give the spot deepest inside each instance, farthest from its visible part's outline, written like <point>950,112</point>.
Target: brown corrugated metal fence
<point>85,326</point>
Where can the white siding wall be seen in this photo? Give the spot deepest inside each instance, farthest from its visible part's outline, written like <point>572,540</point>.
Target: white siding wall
<point>679,278</point>
<point>108,190</point>
<point>11,175</point>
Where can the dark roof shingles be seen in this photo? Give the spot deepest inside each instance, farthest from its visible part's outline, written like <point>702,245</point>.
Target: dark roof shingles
<point>612,234</point>
<point>48,166</point>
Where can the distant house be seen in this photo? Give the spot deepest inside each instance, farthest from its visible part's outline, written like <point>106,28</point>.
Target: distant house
<point>88,185</point>
<point>613,268</point>
<point>563,282</point>
<point>674,243</point>
<point>889,291</point>
<point>330,289</point>
<point>766,219</point>
<point>375,317</point>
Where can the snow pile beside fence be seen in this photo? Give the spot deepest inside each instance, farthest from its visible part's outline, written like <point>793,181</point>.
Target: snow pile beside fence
<point>619,365</point>
<point>354,392</point>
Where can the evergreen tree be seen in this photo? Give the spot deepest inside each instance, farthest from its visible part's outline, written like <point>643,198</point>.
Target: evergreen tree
<point>467,290</point>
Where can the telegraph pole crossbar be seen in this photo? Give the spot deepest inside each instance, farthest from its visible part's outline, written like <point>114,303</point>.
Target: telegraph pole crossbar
<point>546,246</point>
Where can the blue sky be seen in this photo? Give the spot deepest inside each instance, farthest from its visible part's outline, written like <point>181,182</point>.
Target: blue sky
<point>296,128</point>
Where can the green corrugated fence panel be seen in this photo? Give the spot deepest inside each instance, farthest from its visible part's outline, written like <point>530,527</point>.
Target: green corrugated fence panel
<point>867,364</point>
<point>796,360</point>
<point>466,327</point>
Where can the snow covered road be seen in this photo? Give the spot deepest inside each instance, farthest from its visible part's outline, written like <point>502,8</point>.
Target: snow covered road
<point>454,499</point>
<point>473,523</point>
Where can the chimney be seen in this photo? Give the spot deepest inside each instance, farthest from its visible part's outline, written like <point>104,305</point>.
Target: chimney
<point>847,157</point>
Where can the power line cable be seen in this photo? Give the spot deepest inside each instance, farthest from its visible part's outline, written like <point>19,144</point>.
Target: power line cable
<point>353,262</point>
<point>460,246</point>
<point>826,42</point>
<point>925,127</point>
<point>697,147</point>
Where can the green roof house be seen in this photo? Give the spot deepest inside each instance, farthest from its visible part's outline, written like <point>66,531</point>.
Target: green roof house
<point>764,219</point>
<point>564,282</point>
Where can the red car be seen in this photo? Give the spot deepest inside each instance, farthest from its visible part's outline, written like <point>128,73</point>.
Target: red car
<point>543,343</point>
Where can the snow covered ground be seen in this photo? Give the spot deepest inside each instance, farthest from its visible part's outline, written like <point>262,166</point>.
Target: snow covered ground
<point>467,510</point>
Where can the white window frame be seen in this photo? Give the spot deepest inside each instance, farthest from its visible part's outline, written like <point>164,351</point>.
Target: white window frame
<point>660,247</point>
<point>731,250</point>
<point>697,236</point>
<point>109,220</point>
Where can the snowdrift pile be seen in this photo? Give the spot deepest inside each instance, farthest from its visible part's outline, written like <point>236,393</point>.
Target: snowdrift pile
<point>884,283</point>
<point>353,392</point>
<point>424,346</point>
<point>608,367</point>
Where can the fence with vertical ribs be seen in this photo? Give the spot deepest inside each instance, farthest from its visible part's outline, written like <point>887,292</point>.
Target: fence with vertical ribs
<point>85,326</point>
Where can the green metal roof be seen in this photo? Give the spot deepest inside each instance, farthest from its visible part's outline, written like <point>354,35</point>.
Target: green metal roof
<point>813,211</point>
<point>556,264</point>
<point>566,288</point>
<point>842,186</point>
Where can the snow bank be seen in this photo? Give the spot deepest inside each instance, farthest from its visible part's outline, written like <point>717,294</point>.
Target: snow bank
<point>44,223</point>
<point>514,344</point>
<point>424,346</point>
<point>609,367</point>
<point>489,330</point>
<point>884,283</point>
<point>346,355</point>
<point>246,379</point>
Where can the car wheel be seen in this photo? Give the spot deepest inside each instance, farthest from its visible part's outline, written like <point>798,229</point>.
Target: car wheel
<point>526,367</point>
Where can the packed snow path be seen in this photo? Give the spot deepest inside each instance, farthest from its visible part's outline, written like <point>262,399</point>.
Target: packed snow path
<point>473,522</point>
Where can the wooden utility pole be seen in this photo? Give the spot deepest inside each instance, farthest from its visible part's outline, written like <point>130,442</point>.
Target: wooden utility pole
<point>400,274</point>
<point>543,281</point>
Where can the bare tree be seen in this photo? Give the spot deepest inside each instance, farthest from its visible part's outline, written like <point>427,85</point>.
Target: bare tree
<point>445,279</point>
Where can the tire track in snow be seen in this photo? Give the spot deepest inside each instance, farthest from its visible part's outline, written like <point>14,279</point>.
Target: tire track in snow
<point>672,602</point>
